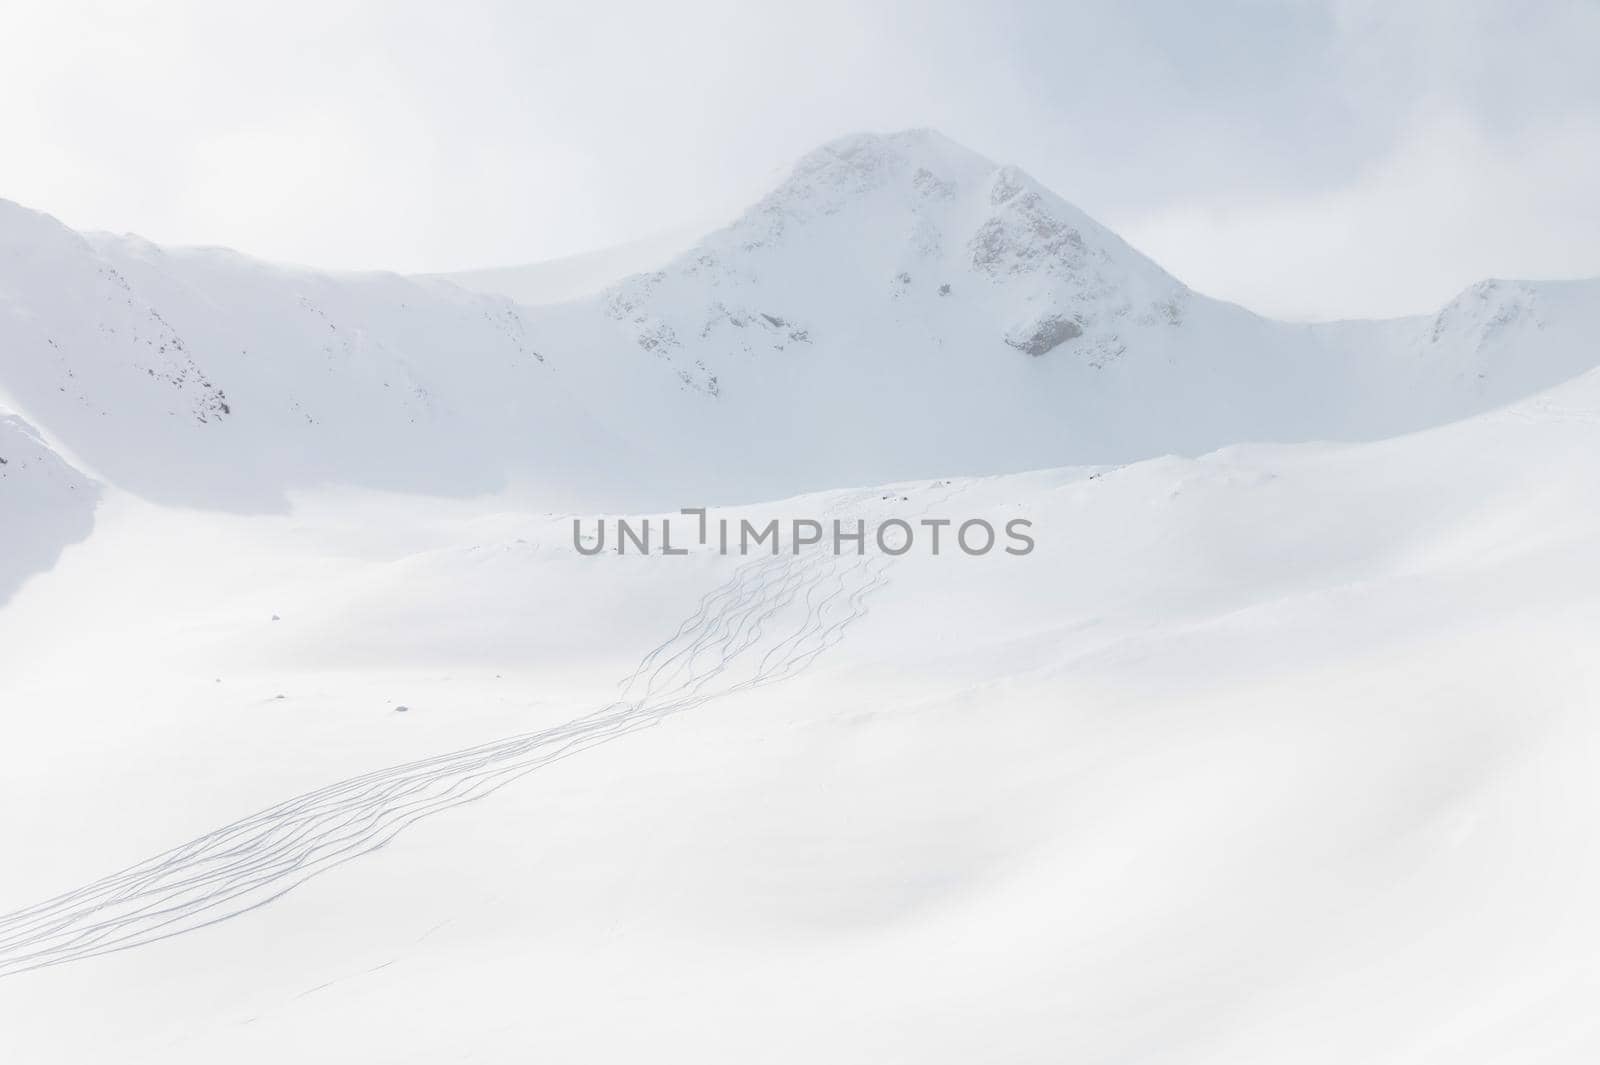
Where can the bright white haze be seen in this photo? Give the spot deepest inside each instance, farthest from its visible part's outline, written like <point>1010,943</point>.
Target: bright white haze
<point>1308,159</point>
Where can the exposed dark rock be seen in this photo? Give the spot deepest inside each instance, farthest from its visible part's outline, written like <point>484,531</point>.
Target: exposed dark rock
<point>1045,334</point>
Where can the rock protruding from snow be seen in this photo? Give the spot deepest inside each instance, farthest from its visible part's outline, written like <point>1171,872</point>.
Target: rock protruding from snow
<point>1046,334</point>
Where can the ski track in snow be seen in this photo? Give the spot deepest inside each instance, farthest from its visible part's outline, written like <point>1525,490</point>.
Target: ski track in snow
<point>742,635</point>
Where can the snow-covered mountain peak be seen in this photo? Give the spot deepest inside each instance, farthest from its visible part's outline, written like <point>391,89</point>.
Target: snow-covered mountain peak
<point>922,160</point>
<point>1487,309</point>
<point>918,189</point>
<point>888,177</point>
<point>887,234</point>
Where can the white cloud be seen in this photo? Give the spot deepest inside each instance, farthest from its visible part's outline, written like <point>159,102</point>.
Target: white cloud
<point>411,135</point>
<point>1451,206</point>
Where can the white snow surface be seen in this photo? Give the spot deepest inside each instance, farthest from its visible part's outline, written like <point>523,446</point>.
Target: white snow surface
<point>573,276</point>
<point>45,504</point>
<point>1279,747</point>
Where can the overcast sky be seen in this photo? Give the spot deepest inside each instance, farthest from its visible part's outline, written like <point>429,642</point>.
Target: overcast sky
<point>1323,158</point>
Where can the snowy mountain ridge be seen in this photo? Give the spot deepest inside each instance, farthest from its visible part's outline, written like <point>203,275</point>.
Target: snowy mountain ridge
<point>898,307</point>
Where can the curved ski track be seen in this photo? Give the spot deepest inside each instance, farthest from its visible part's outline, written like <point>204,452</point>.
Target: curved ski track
<point>770,620</point>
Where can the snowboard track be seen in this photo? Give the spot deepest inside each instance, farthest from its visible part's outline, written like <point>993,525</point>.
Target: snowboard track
<point>766,623</point>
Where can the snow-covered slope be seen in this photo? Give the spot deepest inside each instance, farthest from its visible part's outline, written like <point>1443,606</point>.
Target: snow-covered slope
<point>206,378</point>
<point>898,307</point>
<point>1284,753</point>
<point>45,504</point>
<point>323,741</point>
<point>574,276</point>
<point>902,307</point>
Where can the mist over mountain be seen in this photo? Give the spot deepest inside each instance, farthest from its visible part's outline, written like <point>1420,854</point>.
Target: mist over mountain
<point>898,307</point>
